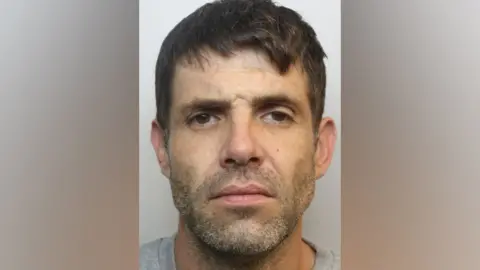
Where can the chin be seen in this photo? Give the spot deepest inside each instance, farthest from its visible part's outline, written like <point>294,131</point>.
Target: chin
<point>245,237</point>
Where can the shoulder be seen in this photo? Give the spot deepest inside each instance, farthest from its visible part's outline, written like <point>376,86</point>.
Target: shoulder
<point>155,254</point>
<point>325,259</point>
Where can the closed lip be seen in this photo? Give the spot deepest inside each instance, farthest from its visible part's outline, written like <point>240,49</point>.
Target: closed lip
<point>251,189</point>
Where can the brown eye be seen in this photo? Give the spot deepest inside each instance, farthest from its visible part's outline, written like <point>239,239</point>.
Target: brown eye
<point>277,117</point>
<point>203,119</point>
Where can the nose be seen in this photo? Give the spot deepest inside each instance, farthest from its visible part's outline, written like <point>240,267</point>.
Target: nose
<point>241,147</point>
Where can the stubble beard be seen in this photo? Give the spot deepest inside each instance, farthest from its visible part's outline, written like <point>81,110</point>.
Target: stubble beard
<point>246,235</point>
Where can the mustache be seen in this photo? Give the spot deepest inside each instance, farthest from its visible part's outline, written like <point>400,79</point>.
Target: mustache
<point>264,177</point>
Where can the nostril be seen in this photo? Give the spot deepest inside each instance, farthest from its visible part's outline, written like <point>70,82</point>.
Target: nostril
<point>230,161</point>
<point>238,162</point>
<point>254,160</point>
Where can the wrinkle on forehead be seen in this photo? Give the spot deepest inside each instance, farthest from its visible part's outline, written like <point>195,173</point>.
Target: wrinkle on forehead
<point>233,78</point>
<point>240,77</point>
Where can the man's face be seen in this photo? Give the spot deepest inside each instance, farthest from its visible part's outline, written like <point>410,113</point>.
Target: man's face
<point>242,155</point>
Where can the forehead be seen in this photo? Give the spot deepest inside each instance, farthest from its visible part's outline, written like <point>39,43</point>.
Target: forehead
<point>247,74</point>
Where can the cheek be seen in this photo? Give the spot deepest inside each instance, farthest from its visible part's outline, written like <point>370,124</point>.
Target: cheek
<point>290,152</point>
<point>197,156</point>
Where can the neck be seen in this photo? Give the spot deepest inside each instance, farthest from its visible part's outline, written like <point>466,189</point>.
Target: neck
<point>292,254</point>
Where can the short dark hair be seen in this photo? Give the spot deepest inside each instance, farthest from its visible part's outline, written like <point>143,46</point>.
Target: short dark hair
<point>224,26</point>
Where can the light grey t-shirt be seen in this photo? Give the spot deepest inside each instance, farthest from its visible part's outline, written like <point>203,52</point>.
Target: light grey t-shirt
<point>158,255</point>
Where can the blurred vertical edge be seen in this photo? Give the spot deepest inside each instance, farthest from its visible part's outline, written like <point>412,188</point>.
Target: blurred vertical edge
<point>69,135</point>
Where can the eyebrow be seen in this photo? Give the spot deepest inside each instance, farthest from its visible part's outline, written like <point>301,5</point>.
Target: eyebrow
<point>222,105</point>
<point>203,104</point>
<point>276,100</point>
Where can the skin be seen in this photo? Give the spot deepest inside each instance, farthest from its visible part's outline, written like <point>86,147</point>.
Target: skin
<point>255,128</point>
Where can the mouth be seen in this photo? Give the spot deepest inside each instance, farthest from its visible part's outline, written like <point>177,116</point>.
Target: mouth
<point>243,195</point>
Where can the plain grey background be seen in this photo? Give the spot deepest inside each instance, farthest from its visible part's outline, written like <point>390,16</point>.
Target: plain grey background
<point>158,217</point>
<point>69,140</point>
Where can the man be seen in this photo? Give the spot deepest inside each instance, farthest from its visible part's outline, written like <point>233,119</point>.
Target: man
<point>240,134</point>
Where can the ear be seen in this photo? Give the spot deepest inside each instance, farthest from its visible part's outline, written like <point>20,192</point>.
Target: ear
<point>325,146</point>
<point>157,137</point>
